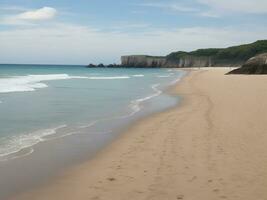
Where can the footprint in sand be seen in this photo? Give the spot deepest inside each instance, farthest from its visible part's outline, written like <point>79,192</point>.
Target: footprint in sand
<point>216,190</point>
<point>111,179</point>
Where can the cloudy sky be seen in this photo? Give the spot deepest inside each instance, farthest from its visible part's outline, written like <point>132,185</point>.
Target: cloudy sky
<point>93,31</point>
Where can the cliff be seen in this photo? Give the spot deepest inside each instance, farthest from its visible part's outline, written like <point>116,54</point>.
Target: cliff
<point>143,61</point>
<point>201,61</point>
<point>234,56</point>
<point>255,65</point>
<point>231,56</point>
<point>185,61</point>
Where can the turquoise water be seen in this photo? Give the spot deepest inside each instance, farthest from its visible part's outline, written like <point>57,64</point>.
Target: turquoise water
<point>43,102</point>
<point>53,117</point>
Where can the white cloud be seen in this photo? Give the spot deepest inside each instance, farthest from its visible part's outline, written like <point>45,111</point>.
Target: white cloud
<point>44,13</point>
<point>73,44</point>
<point>215,8</point>
<point>209,14</point>
<point>28,17</point>
<point>178,7</point>
<point>240,6</point>
<point>171,6</point>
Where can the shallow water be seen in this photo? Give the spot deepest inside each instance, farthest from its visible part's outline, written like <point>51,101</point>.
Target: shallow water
<point>53,116</point>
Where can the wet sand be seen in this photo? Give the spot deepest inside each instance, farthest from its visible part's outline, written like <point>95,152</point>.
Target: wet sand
<point>211,146</point>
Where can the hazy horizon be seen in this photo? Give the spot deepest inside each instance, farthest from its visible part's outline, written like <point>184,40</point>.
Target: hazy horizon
<point>63,32</point>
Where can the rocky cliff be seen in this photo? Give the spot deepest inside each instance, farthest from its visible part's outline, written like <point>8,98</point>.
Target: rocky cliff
<point>190,61</point>
<point>212,57</point>
<point>202,61</point>
<point>186,61</point>
<point>234,56</point>
<point>142,61</point>
<point>255,65</point>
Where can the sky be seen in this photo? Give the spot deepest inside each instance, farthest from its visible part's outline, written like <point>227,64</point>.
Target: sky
<point>100,31</point>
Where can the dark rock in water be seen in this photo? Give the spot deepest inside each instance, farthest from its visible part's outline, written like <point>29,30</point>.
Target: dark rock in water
<point>103,66</point>
<point>91,66</point>
<point>113,66</point>
<point>255,65</point>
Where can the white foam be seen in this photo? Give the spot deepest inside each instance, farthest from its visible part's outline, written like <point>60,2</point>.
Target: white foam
<point>15,144</point>
<point>135,104</point>
<point>138,75</point>
<point>100,77</point>
<point>32,82</point>
<point>164,76</point>
<point>157,93</point>
<point>12,145</point>
<point>28,83</point>
<point>89,125</point>
<point>30,151</point>
<point>108,77</point>
<point>178,79</point>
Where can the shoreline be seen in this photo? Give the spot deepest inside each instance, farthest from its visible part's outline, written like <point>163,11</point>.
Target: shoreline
<point>37,176</point>
<point>203,148</point>
<point>169,90</point>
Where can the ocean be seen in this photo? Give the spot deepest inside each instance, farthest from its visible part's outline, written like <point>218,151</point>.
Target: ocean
<point>56,115</point>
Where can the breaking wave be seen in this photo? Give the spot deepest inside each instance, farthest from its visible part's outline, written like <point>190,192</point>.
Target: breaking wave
<point>14,144</point>
<point>30,83</point>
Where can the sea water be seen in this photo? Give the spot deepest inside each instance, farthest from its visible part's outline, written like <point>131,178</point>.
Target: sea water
<point>38,100</point>
<point>74,107</point>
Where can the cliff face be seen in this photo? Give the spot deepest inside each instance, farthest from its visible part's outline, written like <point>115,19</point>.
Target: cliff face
<point>255,65</point>
<point>234,56</point>
<point>190,61</point>
<point>186,61</point>
<point>202,61</point>
<point>143,61</point>
<point>212,57</point>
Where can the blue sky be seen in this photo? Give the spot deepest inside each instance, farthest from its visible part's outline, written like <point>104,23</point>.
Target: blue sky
<point>85,31</point>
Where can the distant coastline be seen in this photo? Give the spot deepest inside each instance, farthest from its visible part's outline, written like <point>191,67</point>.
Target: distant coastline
<point>234,56</point>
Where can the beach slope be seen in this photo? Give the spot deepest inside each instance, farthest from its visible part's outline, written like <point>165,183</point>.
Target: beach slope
<point>211,146</point>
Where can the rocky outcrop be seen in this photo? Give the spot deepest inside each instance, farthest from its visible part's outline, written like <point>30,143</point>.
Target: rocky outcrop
<point>190,61</point>
<point>255,65</point>
<point>103,66</point>
<point>234,56</point>
<point>143,61</point>
<point>185,61</point>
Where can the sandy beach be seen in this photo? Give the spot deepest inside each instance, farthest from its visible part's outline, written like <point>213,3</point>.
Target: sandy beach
<point>211,146</point>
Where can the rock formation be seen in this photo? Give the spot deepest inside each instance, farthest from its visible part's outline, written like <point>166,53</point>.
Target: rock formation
<point>185,61</point>
<point>255,65</point>
<point>212,57</point>
<point>191,61</point>
<point>102,65</point>
<point>143,61</point>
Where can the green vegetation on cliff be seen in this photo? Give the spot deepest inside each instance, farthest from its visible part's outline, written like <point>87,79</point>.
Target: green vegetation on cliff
<point>242,52</point>
<point>212,57</point>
